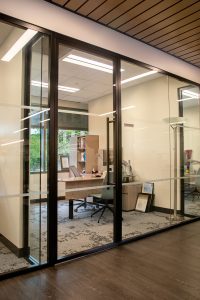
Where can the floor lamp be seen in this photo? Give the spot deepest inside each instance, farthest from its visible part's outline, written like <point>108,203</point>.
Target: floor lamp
<point>175,123</point>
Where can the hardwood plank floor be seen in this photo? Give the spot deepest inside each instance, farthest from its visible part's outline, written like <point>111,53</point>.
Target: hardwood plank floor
<point>164,266</point>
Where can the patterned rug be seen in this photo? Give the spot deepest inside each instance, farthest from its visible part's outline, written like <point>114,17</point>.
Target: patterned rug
<point>9,261</point>
<point>84,232</point>
<point>79,234</point>
<point>192,207</point>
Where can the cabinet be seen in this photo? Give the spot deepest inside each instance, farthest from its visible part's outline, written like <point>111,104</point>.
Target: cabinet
<point>129,196</point>
<point>83,153</point>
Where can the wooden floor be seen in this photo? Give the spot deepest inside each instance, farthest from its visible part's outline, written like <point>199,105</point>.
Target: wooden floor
<point>164,266</point>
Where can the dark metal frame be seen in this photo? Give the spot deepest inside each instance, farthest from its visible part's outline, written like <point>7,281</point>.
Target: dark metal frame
<point>55,39</point>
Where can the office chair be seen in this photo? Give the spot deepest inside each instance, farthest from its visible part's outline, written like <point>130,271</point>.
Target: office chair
<point>76,173</point>
<point>105,198</point>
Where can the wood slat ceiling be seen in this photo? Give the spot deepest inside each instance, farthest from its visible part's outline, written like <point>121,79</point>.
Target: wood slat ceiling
<point>169,25</point>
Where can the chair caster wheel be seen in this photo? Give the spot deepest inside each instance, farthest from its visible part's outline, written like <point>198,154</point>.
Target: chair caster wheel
<point>76,210</point>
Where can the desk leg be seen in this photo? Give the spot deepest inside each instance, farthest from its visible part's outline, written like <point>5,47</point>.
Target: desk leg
<point>71,208</point>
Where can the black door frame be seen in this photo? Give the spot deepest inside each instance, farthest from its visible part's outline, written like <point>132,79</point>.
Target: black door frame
<point>57,39</point>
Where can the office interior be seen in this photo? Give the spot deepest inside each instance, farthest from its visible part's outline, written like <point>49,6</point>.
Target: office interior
<point>160,152</point>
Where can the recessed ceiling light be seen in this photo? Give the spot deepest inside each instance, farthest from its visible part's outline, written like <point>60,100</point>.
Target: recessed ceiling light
<point>19,44</point>
<point>60,87</point>
<point>138,76</point>
<point>89,63</point>
<point>190,94</point>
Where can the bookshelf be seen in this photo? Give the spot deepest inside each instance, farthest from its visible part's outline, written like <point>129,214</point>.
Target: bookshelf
<point>83,152</point>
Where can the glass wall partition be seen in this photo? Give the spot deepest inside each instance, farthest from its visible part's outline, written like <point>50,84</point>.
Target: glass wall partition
<point>38,124</point>
<point>21,149</point>
<point>85,151</point>
<point>148,152</point>
<point>185,98</point>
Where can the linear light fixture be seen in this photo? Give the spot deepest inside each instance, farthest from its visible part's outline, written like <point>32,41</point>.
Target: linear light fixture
<point>37,113</point>
<point>138,76</point>
<point>89,63</point>
<point>190,94</point>
<point>16,131</point>
<point>19,44</point>
<point>60,87</point>
<point>13,142</point>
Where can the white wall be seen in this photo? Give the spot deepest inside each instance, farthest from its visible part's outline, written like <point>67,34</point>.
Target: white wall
<point>42,13</point>
<point>11,214</point>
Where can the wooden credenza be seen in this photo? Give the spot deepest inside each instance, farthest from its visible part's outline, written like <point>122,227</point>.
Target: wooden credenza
<point>129,196</point>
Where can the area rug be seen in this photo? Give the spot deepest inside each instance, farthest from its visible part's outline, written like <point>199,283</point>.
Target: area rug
<point>84,232</point>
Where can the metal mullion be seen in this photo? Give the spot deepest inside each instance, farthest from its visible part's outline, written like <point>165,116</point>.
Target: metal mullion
<point>117,151</point>
<point>53,131</point>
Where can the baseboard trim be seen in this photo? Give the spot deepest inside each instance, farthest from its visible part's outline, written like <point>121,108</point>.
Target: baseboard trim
<point>164,210</point>
<point>19,252</point>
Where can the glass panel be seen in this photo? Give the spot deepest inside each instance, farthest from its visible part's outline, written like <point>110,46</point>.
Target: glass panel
<point>186,119</point>
<point>85,116</point>
<point>147,199</point>
<point>38,151</point>
<point>20,153</point>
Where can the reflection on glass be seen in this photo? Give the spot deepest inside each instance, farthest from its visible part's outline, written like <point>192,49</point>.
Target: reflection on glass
<point>17,149</point>
<point>85,133</point>
<point>149,140</point>
<point>189,109</point>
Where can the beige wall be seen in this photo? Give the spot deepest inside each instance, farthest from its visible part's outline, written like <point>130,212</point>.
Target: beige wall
<point>149,144</point>
<point>11,214</point>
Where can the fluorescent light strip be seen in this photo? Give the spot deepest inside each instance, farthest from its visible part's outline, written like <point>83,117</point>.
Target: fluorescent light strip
<point>138,76</point>
<point>45,120</point>
<point>19,44</point>
<point>33,115</point>
<point>60,87</point>
<point>14,142</point>
<point>191,94</point>
<point>88,65</point>
<point>20,130</point>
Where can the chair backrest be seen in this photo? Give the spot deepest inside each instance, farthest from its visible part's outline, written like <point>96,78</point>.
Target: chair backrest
<point>108,193</point>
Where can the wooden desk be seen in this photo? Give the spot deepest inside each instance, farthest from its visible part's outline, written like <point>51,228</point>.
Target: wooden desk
<point>77,183</point>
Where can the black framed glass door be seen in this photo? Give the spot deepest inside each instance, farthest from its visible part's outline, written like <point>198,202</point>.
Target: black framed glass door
<point>85,151</point>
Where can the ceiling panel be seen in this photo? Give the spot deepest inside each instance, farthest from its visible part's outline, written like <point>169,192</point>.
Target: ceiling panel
<point>172,26</point>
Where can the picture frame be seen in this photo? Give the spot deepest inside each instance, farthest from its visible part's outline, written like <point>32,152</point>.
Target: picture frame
<point>148,188</point>
<point>142,202</point>
<point>64,160</point>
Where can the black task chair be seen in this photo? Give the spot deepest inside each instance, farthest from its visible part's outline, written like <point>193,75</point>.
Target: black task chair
<point>105,199</point>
